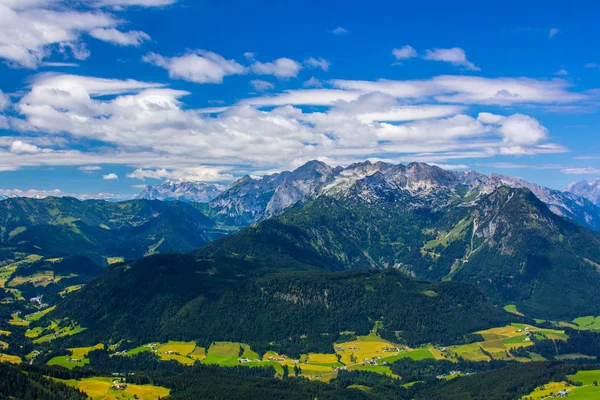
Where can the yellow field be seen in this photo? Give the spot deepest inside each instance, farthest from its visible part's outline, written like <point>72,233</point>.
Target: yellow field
<point>114,260</point>
<point>180,348</point>
<point>322,358</point>
<point>3,345</point>
<point>224,349</point>
<point>175,357</point>
<point>363,348</point>
<point>100,389</point>
<point>4,333</point>
<point>199,353</point>
<point>81,352</point>
<point>10,359</point>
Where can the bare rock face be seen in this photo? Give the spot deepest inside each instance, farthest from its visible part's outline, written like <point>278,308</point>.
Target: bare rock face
<point>588,189</point>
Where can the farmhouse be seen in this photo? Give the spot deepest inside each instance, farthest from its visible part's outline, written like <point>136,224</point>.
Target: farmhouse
<point>244,360</point>
<point>118,386</point>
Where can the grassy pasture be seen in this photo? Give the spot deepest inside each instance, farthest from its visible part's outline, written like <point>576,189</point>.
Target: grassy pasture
<point>36,316</point>
<point>61,361</point>
<point>512,308</point>
<point>586,377</point>
<point>588,323</point>
<point>69,289</point>
<point>99,388</point>
<point>80,352</point>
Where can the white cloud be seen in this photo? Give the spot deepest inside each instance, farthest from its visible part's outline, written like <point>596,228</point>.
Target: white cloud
<point>562,72</point>
<point>516,130</point>
<point>4,101</point>
<point>30,30</point>
<point>262,86</point>
<point>471,90</point>
<point>200,66</point>
<point>313,82</point>
<point>592,65</point>
<point>314,97</point>
<point>281,68</point>
<point>553,32</point>
<point>199,173</point>
<point>522,130</point>
<point>110,177</point>
<point>88,121</point>
<point>20,147</point>
<point>112,35</point>
<point>455,56</point>
<point>318,63</point>
<point>40,194</point>
<point>339,31</point>
<point>133,3</point>
<point>59,64</point>
<point>89,168</point>
<point>581,171</point>
<point>404,53</point>
<point>489,118</point>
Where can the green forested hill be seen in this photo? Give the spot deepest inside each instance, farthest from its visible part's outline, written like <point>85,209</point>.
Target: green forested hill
<point>182,298</point>
<point>508,242</point>
<point>97,229</point>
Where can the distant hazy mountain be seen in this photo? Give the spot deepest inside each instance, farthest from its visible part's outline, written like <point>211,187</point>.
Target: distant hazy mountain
<point>249,200</point>
<point>588,189</point>
<point>183,191</point>
<point>98,229</point>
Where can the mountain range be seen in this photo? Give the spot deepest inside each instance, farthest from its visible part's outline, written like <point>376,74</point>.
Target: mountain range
<point>417,221</point>
<point>250,200</point>
<point>186,191</point>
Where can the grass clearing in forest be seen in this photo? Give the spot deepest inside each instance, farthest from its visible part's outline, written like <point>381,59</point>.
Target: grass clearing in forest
<point>10,359</point>
<point>99,388</point>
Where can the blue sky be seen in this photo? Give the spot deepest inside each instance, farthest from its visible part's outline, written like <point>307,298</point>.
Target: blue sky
<point>99,97</point>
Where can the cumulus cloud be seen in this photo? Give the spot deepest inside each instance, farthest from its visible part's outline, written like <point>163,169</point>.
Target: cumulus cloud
<point>281,68</point>
<point>110,177</point>
<point>149,127</point>
<point>262,86</point>
<point>20,147</point>
<point>318,63</point>
<point>30,30</point>
<point>200,66</point>
<point>404,53</point>
<point>455,56</point>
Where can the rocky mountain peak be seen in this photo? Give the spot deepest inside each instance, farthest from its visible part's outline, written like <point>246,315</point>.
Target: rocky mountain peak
<point>588,189</point>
